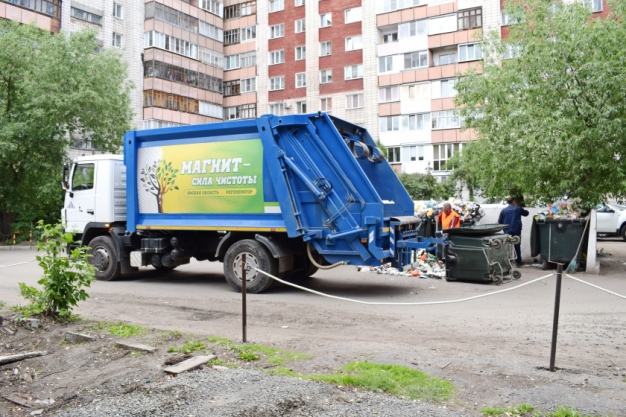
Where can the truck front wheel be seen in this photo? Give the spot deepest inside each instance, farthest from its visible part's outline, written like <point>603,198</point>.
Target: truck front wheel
<point>623,231</point>
<point>104,258</point>
<point>257,256</point>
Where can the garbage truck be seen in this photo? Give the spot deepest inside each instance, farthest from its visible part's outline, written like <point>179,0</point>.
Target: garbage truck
<point>293,193</point>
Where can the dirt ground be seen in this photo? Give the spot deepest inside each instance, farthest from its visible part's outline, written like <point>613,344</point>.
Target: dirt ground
<point>493,355</point>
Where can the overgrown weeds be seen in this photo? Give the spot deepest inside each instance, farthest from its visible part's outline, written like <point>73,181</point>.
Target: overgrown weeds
<point>126,330</point>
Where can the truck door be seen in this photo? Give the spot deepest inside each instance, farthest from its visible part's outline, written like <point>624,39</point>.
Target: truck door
<point>80,198</point>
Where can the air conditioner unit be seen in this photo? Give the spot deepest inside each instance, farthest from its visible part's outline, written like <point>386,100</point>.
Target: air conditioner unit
<point>287,104</point>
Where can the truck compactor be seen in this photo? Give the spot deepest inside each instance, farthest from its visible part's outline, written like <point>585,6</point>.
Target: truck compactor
<point>293,193</point>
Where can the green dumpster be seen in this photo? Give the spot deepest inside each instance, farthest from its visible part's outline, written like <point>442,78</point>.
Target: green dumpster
<point>555,241</point>
<point>480,253</point>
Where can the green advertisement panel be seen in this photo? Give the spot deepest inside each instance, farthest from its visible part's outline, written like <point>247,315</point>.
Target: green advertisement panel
<point>213,177</point>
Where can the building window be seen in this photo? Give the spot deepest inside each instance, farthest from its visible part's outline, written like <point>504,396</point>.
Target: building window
<point>248,85</point>
<point>326,104</point>
<point>231,62</point>
<point>469,19</point>
<point>240,10</point>
<point>447,119</point>
<point>245,111</point>
<point>354,42</point>
<point>170,43</point>
<point>470,52</point>
<point>300,53</point>
<point>48,7</point>
<point>232,88</point>
<point>276,57</point>
<point>354,15</point>
<point>300,25</point>
<point>299,3</point>
<point>385,64</point>
<point>181,75</point>
<point>447,59</point>
<point>390,37</point>
<point>416,91</point>
<point>301,79</point>
<point>277,109</point>
<point>154,98</point>
<point>387,94</point>
<point>87,17</point>
<point>211,57</point>
<point>443,88</point>
<point>156,124</point>
<point>326,76</point>
<point>326,48</point>
<point>117,40</point>
<point>247,59</point>
<point>248,33</point>
<point>415,121</point>
<point>390,123</point>
<point>594,5</point>
<point>442,153</point>
<point>353,72</point>
<point>385,6</point>
<point>276,5</point>
<point>326,20</point>
<point>212,6</point>
<point>414,28</point>
<point>277,31</point>
<point>175,17</point>
<point>301,107</point>
<point>417,59</point>
<point>355,101</point>
<point>413,153</point>
<point>118,10</point>
<point>211,110</point>
<point>231,37</point>
<point>393,154</point>
<point>277,83</point>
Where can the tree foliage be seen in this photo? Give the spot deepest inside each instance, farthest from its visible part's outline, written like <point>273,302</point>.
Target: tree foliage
<point>426,187</point>
<point>551,120</point>
<point>53,89</point>
<point>158,179</point>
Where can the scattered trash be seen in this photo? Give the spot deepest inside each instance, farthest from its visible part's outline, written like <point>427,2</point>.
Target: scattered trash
<point>284,327</point>
<point>561,210</point>
<point>425,265</point>
<point>601,253</point>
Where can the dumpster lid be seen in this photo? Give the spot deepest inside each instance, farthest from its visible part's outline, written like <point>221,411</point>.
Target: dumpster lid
<point>477,230</point>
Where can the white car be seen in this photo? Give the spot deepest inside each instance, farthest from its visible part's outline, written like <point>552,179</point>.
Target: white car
<point>611,220</point>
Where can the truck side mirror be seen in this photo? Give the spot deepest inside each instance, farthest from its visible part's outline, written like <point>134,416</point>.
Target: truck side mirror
<point>65,183</point>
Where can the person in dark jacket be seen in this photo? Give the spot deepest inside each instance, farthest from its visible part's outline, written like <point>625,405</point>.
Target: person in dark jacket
<point>511,215</point>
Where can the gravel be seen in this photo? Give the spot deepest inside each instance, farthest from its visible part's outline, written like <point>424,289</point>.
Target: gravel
<point>244,393</point>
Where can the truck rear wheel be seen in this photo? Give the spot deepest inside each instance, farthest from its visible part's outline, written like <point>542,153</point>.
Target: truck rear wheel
<point>104,258</point>
<point>623,231</point>
<point>257,256</point>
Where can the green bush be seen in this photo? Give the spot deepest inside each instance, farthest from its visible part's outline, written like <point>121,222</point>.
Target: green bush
<point>64,277</point>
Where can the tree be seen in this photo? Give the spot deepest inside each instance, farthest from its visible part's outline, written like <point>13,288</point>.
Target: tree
<point>158,179</point>
<point>551,120</point>
<point>53,89</point>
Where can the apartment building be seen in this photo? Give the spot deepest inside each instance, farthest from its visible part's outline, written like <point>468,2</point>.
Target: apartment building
<point>387,65</point>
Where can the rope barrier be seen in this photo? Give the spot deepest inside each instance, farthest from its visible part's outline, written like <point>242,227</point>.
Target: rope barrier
<point>398,304</point>
<point>21,263</point>
<point>595,286</point>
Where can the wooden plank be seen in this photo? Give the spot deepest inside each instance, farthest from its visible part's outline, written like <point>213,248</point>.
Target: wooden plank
<point>136,346</point>
<point>189,364</point>
<point>21,356</point>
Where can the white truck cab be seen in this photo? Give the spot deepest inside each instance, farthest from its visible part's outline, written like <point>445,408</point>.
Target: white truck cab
<point>95,192</point>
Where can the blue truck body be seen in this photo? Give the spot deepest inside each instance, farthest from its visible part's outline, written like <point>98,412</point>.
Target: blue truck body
<point>290,193</point>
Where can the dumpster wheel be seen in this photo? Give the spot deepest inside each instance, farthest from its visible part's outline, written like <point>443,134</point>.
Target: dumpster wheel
<point>517,274</point>
<point>497,279</point>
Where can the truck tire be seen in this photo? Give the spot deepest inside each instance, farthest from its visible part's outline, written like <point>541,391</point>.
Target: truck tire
<point>257,256</point>
<point>622,231</point>
<point>104,258</point>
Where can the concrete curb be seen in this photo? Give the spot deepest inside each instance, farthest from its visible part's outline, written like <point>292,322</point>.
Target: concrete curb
<point>8,247</point>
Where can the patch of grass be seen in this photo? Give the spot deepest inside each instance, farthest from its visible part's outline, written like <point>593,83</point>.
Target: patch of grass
<point>2,304</point>
<point>520,410</point>
<point>222,362</point>
<point>135,353</point>
<point>127,330</point>
<point>565,412</point>
<point>189,346</point>
<point>174,334</point>
<point>248,356</point>
<point>393,379</point>
<point>220,340</point>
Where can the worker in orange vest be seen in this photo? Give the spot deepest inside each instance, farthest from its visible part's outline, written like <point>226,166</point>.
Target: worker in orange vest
<point>448,218</point>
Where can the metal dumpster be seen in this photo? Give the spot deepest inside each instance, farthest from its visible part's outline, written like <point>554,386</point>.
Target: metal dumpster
<point>555,241</point>
<point>480,253</point>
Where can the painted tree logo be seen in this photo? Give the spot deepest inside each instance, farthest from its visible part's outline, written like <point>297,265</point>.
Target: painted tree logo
<point>158,179</point>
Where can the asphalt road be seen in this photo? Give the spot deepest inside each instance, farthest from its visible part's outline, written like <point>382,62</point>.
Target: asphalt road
<point>496,345</point>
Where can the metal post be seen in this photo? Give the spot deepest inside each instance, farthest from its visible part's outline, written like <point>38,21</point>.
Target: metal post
<point>243,297</point>
<point>557,305</point>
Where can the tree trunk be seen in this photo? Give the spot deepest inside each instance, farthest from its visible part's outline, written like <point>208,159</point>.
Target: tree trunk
<point>7,219</point>
<point>160,202</point>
